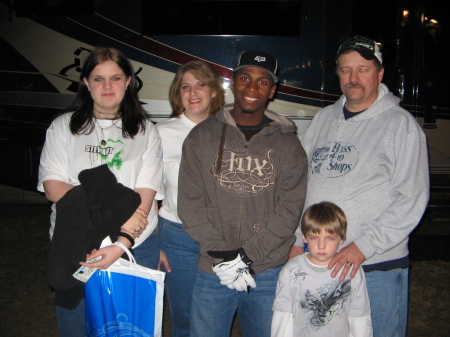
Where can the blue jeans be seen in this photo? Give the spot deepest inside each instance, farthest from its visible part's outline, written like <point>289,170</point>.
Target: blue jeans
<point>388,294</point>
<point>214,306</point>
<point>147,253</point>
<point>71,323</point>
<point>182,253</point>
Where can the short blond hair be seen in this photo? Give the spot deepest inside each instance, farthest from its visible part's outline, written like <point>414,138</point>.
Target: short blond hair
<point>326,216</point>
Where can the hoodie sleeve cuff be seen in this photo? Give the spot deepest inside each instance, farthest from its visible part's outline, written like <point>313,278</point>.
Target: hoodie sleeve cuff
<point>365,246</point>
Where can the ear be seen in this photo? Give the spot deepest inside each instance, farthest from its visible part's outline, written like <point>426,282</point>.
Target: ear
<point>272,91</point>
<point>128,82</point>
<point>304,239</point>
<point>232,85</point>
<point>86,83</point>
<point>380,75</point>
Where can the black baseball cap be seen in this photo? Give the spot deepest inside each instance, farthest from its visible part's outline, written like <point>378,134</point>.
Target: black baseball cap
<point>367,48</point>
<point>260,59</point>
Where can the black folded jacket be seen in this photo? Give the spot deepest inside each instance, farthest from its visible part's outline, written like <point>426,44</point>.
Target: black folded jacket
<point>85,215</point>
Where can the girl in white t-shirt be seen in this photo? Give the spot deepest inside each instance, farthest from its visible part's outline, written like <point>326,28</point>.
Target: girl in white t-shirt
<point>195,93</point>
<point>105,124</point>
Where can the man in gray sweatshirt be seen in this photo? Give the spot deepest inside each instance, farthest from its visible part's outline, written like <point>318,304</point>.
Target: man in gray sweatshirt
<point>369,156</point>
<point>242,186</point>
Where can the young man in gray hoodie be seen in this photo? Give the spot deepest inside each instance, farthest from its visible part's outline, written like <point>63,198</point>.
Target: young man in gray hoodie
<point>369,156</point>
<point>242,186</point>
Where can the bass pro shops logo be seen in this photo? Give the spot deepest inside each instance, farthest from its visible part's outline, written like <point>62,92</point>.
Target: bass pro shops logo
<point>244,174</point>
<point>334,159</point>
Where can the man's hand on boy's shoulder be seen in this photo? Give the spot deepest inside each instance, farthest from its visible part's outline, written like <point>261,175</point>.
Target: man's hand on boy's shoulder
<point>349,257</point>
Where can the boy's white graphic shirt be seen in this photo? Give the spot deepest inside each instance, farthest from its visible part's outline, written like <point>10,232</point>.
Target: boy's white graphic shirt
<point>320,305</point>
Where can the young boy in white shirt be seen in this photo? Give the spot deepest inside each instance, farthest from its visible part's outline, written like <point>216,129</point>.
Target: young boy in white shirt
<point>309,302</point>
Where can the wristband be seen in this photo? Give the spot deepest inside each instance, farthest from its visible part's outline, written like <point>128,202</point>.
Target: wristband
<point>128,237</point>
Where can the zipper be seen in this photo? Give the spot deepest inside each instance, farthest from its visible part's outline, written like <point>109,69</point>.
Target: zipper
<point>241,225</point>
<point>242,202</point>
<point>242,199</point>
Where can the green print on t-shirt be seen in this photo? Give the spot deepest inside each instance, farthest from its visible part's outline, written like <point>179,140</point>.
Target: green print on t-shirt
<point>112,155</point>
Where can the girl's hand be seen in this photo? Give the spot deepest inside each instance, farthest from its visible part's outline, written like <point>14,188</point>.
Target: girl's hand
<point>136,224</point>
<point>109,254</point>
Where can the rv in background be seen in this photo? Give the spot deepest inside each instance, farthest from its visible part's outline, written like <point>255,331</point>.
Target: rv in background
<point>43,45</point>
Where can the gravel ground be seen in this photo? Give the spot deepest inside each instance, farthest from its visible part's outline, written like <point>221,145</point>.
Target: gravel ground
<point>26,306</point>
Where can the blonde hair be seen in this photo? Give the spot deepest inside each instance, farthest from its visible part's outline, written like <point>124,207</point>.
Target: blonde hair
<point>202,72</point>
<point>325,216</point>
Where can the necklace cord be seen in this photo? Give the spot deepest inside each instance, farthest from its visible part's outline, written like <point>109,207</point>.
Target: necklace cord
<point>108,114</point>
<point>102,140</point>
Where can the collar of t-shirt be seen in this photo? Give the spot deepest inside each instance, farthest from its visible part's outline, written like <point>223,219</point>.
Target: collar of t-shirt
<point>349,114</point>
<point>251,130</point>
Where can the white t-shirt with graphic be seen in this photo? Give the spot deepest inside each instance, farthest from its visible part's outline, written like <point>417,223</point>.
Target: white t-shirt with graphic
<point>136,162</point>
<point>320,305</point>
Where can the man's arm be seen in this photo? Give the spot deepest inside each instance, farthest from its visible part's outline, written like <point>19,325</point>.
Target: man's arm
<point>192,207</point>
<point>409,190</point>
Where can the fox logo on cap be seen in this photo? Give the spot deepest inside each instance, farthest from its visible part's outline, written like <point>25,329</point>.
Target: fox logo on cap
<point>257,58</point>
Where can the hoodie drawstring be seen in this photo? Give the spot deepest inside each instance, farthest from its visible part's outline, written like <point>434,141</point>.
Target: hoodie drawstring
<point>221,147</point>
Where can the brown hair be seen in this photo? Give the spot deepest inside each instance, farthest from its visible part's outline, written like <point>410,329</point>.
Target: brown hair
<point>326,216</point>
<point>203,72</point>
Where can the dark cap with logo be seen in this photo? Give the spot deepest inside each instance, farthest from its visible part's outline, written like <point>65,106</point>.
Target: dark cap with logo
<point>367,48</point>
<point>260,59</point>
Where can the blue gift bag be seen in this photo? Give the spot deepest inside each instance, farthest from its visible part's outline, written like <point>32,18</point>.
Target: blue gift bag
<point>124,300</point>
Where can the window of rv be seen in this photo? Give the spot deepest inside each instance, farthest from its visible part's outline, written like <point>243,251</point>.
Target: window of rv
<point>219,17</point>
<point>437,35</point>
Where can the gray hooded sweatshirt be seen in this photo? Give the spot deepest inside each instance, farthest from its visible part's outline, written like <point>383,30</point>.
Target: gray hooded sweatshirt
<point>236,193</point>
<point>375,167</point>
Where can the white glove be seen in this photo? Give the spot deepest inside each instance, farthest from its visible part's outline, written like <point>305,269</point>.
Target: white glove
<point>235,274</point>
